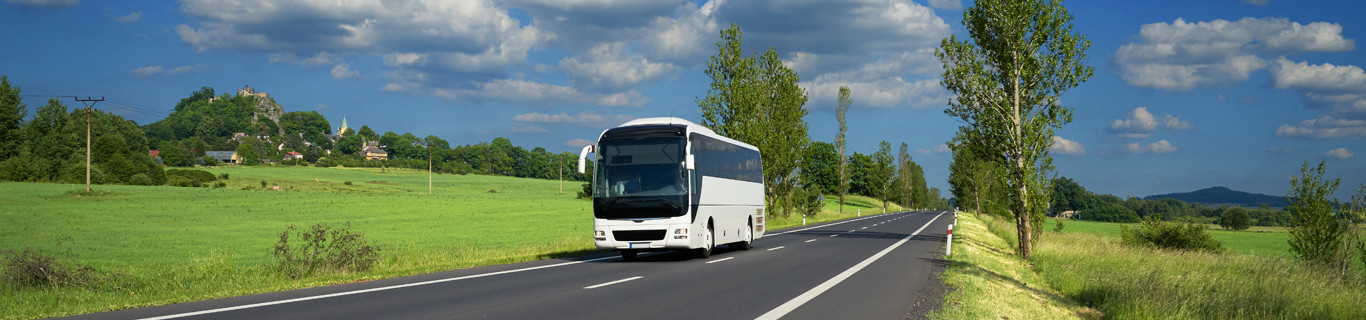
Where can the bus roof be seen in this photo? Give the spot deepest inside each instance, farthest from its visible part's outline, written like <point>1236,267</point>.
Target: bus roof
<point>692,127</point>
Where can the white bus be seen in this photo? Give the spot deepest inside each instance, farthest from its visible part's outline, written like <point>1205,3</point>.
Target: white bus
<point>670,184</point>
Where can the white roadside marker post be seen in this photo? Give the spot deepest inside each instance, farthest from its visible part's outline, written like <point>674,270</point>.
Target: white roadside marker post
<point>948,247</point>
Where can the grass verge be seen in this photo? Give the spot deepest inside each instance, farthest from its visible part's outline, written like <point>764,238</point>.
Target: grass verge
<point>990,282</point>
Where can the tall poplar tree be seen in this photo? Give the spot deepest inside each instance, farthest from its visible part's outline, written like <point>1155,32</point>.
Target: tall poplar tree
<point>12,114</point>
<point>757,101</point>
<point>1006,79</point>
<point>844,102</point>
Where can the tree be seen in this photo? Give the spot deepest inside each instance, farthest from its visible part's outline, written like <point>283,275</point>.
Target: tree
<point>367,133</point>
<point>12,114</point>
<point>844,102</point>
<point>1006,80</point>
<point>884,171</point>
<point>1235,218</point>
<point>1316,236</point>
<point>757,101</point>
<point>820,168</point>
<point>246,153</point>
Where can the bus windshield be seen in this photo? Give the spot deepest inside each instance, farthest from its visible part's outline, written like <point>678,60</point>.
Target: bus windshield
<point>640,167</point>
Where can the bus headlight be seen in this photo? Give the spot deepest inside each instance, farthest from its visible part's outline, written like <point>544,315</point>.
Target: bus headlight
<point>599,233</point>
<point>681,231</point>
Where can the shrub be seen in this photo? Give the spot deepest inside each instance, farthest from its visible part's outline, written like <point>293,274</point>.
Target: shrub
<point>1235,218</point>
<point>348,182</point>
<point>323,248</point>
<point>32,268</point>
<point>223,176</point>
<point>140,179</point>
<point>199,177</point>
<point>587,192</point>
<point>178,181</point>
<point>264,184</point>
<point>1170,235</point>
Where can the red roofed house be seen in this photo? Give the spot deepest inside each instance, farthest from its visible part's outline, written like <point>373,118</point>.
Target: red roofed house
<point>292,155</point>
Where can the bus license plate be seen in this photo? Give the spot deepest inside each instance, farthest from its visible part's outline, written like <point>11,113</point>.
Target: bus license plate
<point>639,245</point>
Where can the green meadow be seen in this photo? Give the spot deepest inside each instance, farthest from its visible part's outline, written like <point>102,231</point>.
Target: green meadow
<point>178,244</point>
<point>1085,272</point>
<point>1268,241</point>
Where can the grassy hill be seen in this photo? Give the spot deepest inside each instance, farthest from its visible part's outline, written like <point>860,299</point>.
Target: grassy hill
<point>1220,196</point>
<point>179,244</point>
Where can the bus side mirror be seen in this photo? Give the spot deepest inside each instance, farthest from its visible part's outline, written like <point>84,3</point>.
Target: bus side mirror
<point>690,163</point>
<point>583,154</point>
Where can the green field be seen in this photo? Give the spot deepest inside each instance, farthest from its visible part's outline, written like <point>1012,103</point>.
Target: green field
<point>1268,241</point>
<point>1084,272</point>
<point>181,244</point>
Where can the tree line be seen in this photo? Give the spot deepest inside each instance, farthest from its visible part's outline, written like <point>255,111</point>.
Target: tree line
<point>755,99</point>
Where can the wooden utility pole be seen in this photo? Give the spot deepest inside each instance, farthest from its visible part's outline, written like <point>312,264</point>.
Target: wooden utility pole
<point>429,169</point>
<point>89,104</point>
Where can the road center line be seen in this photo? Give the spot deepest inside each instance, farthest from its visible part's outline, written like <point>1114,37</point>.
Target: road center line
<point>347,293</point>
<point>779,247</point>
<point>834,235</point>
<point>604,284</point>
<point>826,225</point>
<point>809,241</point>
<point>793,304</point>
<point>719,260</point>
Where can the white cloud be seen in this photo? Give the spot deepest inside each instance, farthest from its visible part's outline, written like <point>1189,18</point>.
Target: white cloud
<point>1068,147</point>
<point>1259,3</point>
<point>1174,123</point>
<point>589,119</point>
<point>943,148</point>
<point>1182,55</point>
<point>342,70</point>
<point>1340,154</point>
<point>1141,124</point>
<point>687,38</point>
<point>1326,127</point>
<point>881,93</point>
<point>155,70</point>
<point>131,17</point>
<point>1159,147</point>
<point>533,93</point>
<point>45,3</point>
<point>1342,89</point>
<point>610,67</point>
<point>577,143</point>
<point>947,4</point>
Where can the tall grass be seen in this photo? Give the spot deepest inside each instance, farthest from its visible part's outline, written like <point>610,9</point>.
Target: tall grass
<point>990,282</point>
<point>1146,283</point>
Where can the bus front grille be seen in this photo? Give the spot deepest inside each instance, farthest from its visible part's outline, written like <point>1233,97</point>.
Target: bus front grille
<point>638,235</point>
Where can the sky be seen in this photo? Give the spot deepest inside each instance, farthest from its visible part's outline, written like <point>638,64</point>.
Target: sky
<point>1186,94</point>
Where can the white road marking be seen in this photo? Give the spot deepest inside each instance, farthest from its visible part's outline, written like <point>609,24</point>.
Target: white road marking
<point>793,304</point>
<point>820,226</point>
<point>779,247</point>
<point>604,284</point>
<point>719,260</point>
<point>347,293</point>
<point>834,235</point>
<point>861,228</point>
<point>809,241</point>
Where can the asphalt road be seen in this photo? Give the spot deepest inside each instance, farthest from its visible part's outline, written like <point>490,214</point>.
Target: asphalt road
<point>864,268</point>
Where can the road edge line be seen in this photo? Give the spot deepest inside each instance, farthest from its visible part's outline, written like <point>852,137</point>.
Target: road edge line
<point>805,297</point>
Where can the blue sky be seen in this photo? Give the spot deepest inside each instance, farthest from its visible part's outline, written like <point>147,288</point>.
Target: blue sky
<point>1186,94</point>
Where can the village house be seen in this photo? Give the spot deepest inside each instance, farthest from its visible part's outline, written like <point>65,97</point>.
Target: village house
<point>292,156</point>
<point>375,153</point>
<point>229,157</point>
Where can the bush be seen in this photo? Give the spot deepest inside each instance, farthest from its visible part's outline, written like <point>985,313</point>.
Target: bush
<point>223,176</point>
<point>178,181</point>
<point>1235,218</point>
<point>1170,235</point>
<point>32,268</point>
<point>323,248</point>
<point>140,179</point>
<point>587,192</point>
<point>198,177</point>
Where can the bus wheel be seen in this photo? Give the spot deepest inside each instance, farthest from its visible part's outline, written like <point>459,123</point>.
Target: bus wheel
<point>628,255</point>
<point>748,243</point>
<point>708,242</point>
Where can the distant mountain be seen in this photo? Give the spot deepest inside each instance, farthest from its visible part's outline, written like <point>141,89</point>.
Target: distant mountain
<point>1217,196</point>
